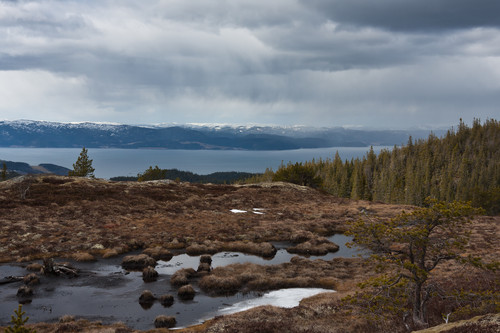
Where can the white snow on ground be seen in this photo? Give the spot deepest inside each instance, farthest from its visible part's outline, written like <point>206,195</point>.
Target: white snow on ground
<point>258,211</point>
<point>238,211</point>
<point>284,298</point>
<point>255,211</point>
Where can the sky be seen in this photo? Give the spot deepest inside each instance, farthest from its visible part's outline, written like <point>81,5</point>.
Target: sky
<point>327,63</point>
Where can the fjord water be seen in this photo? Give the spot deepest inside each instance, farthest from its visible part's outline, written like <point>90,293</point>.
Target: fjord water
<point>129,162</point>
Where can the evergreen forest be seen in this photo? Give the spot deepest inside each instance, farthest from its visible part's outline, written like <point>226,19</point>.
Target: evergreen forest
<point>462,165</point>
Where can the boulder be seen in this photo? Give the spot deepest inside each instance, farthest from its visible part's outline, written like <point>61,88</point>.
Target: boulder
<point>138,262</point>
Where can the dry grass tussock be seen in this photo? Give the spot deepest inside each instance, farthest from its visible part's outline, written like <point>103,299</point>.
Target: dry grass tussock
<point>70,324</point>
<point>298,273</point>
<point>63,216</point>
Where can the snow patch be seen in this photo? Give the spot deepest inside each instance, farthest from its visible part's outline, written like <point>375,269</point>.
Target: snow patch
<point>238,211</point>
<point>283,298</point>
<point>258,211</point>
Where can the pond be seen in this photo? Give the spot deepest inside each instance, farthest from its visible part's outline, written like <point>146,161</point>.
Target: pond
<point>106,292</point>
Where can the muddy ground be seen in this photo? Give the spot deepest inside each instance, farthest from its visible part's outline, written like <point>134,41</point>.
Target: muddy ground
<point>76,217</point>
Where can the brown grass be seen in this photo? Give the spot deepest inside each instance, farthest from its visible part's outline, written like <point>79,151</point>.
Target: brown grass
<point>314,246</point>
<point>186,292</point>
<point>63,215</point>
<point>83,256</point>
<point>182,276</point>
<point>299,272</point>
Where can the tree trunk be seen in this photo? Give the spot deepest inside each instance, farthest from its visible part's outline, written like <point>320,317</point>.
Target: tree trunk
<point>418,311</point>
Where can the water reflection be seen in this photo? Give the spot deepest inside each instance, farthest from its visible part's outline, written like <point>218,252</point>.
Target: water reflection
<point>104,291</point>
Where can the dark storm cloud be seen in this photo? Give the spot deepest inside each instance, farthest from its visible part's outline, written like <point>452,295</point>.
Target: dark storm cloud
<point>411,15</point>
<point>282,61</point>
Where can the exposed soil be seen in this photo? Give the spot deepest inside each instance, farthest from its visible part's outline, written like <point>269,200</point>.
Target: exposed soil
<point>68,217</point>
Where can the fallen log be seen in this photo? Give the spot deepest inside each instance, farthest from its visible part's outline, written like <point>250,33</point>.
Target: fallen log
<point>11,279</point>
<point>52,268</point>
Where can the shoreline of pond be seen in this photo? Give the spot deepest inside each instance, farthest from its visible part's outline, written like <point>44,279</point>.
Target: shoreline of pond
<point>104,285</point>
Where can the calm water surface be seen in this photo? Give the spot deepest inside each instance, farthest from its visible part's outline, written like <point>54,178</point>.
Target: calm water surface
<point>104,291</point>
<point>129,162</point>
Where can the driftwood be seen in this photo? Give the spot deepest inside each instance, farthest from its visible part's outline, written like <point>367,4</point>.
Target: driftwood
<point>52,268</point>
<point>11,279</point>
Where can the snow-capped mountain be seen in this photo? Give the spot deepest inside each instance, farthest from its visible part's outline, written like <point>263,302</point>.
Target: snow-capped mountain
<point>29,133</point>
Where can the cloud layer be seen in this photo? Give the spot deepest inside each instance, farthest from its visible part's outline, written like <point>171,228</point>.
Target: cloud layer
<point>388,63</point>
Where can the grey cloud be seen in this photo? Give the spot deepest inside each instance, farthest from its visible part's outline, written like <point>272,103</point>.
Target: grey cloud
<point>411,15</point>
<point>279,61</point>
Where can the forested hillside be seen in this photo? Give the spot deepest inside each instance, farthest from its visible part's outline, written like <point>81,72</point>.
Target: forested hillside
<point>462,165</point>
<point>185,176</point>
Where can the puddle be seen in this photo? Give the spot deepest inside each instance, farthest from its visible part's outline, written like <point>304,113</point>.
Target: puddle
<point>106,292</point>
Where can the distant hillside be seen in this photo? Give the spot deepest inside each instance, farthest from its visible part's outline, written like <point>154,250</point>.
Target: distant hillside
<point>186,176</point>
<point>21,168</point>
<point>38,134</point>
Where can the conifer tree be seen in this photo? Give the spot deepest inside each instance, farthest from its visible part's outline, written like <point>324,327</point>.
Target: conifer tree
<point>18,322</point>
<point>410,246</point>
<point>83,166</point>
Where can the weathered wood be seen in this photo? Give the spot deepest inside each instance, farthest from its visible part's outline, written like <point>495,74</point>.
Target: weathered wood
<point>11,279</point>
<point>52,268</point>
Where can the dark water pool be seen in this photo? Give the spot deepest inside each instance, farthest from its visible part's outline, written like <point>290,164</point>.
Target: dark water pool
<point>105,292</point>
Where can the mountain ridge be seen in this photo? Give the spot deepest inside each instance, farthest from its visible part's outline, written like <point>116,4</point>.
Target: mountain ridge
<point>45,134</point>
